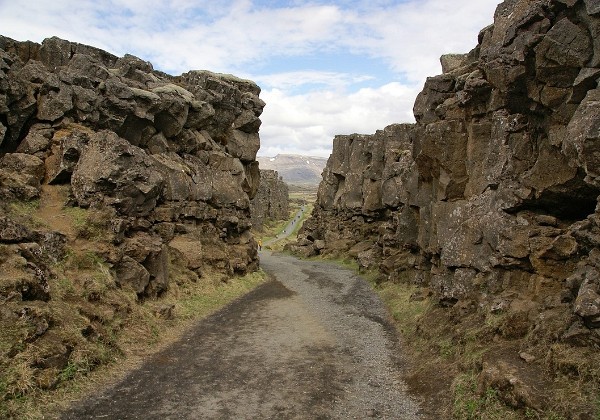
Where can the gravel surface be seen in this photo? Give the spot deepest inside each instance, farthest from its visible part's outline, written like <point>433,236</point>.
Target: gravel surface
<point>314,343</point>
<point>289,228</point>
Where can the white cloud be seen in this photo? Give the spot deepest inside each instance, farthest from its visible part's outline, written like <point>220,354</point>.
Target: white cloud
<point>412,35</point>
<point>297,79</point>
<point>306,123</point>
<point>244,36</point>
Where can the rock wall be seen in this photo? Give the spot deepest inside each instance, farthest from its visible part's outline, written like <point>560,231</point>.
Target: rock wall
<point>272,201</point>
<point>490,200</point>
<point>171,159</point>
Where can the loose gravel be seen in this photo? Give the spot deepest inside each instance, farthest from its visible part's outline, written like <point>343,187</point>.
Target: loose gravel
<point>366,347</point>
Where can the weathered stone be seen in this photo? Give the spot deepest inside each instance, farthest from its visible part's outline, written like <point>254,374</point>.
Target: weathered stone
<point>191,250</point>
<point>492,196</point>
<point>37,142</point>
<point>162,150</point>
<point>243,145</point>
<point>452,62</point>
<point>271,202</point>
<point>132,274</point>
<point>587,304</point>
<point>512,386</point>
<point>55,105</point>
<point>563,51</point>
<point>583,136</point>
<point>112,171</point>
<point>12,232</point>
<point>592,6</point>
<point>157,264</point>
<point>52,245</point>
<point>20,176</point>
<point>60,166</point>
<point>30,167</point>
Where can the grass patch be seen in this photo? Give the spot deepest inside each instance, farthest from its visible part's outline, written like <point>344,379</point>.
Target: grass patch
<point>469,404</point>
<point>123,333</point>
<point>272,228</point>
<point>24,208</point>
<point>91,224</point>
<point>204,299</point>
<point>276,230</point>
<point>24,212</point>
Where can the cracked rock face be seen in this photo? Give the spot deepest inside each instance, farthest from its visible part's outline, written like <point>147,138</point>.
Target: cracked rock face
<point>493,193</point>
<point>272,199</point>
<point>166,153</point>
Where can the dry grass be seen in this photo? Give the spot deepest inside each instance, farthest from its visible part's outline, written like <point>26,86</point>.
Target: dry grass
<point>91,331</point>
<point>124,341</point>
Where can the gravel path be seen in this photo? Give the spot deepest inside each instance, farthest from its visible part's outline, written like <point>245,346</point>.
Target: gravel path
<point>289,228</point>
<point>314,343</point>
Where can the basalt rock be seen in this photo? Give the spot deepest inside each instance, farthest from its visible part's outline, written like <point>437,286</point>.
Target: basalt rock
<point>271,201</point>
<point>161,151</point>
<point>117,183</point>
<point>493,194</point>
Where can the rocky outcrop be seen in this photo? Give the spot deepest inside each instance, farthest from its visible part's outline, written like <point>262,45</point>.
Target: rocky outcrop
<point>168,154</point>
<point>492,196</point>
<point>272,201</point>
<point>116,181</point>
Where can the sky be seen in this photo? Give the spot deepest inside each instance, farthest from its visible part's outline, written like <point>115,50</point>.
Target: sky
<point>325,67</point>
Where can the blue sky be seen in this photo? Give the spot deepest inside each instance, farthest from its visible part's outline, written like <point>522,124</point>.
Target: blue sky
<point>325,67</point>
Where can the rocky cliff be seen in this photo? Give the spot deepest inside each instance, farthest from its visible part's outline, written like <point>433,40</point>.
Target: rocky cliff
<point>490,201</point>
<point>170,156</point>
<point>272,200</point>
<point>113,176</point>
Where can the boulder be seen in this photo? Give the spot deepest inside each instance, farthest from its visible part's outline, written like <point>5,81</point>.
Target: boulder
<point>112,171</point>
<point>12,232</point>
<point>130,273</point>
<point>587,304</point>
<point>21,176</point>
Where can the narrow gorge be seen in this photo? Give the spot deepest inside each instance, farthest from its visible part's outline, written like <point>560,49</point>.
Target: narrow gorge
<point>122,187</point>
<point>272,201</point>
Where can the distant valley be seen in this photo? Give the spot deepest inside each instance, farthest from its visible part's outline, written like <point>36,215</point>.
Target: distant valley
<point>295,169</point>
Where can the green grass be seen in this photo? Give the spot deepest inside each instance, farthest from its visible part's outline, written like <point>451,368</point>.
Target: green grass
<point>90,224</point>
<point>24,212</point>
<point>25,207</point>
<point>469,404</point>
<point>272,229</point>
<point>207,299</point>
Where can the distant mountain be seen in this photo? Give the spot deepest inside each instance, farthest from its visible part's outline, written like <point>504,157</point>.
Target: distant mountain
<point>295,169</point>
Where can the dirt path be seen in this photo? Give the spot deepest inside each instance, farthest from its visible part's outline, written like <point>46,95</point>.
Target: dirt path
<point>289,228</point>
<point>312,344</point>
